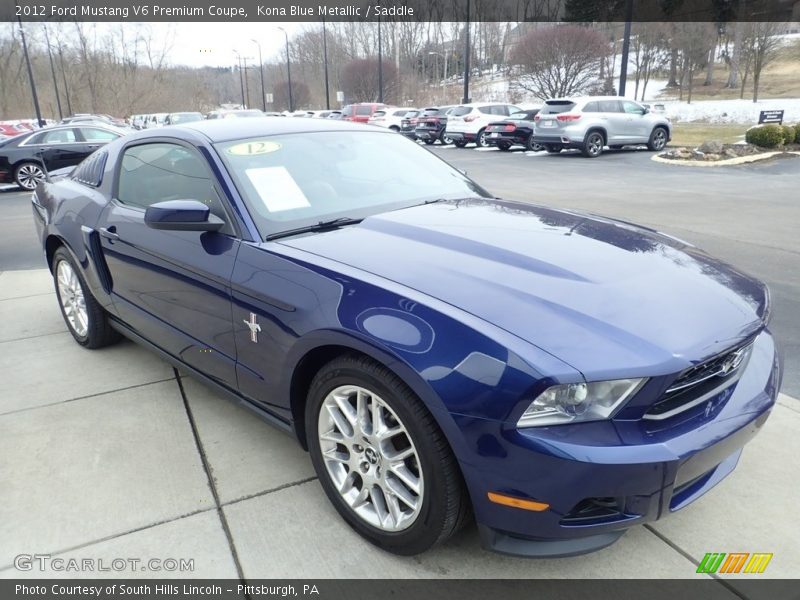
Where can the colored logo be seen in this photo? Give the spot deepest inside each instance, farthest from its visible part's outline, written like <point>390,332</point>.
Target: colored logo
<point>734,562</point>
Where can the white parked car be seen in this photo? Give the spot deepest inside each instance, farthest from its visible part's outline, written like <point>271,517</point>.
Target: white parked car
<point>467,123</point>
<point>390,118</point>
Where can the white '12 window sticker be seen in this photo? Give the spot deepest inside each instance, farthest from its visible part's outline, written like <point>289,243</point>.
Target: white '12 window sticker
<point>277,189</point>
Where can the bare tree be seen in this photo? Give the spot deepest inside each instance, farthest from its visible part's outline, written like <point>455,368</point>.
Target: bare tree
<point>691,41</point>
<point>648,53</point>
<point>558,61</point>
<point>761,47</point>
<point>360,80</point>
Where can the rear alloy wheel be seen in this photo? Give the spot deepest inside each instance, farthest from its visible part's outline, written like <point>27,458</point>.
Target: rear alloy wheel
<point>593,145</point>
<point>29,175</point>
<point>658,139</point>
<point>85,318</point>
<point>381,458</point>
<point>533,146</point>
<point>505,146</point>
<point>460,143</point>
<point>480,141</point>
<point>553,148</point>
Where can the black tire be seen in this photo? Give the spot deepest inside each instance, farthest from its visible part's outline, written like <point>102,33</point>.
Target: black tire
<point>553,148</point>
<point>444,139</point>
<point>28,175</point>
<point>532,146</point>
<point>429,142</point>
<point>460,143</point>
<point>394,128</point>
<point>480,140</point>
<point>593,144</point>
<point>504,146</point>
<point>99,332</point>
<point>445,505</point>
<point>658,139</point>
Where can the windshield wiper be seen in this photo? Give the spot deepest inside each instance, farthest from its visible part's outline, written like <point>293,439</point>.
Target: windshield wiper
<point>319,226</point>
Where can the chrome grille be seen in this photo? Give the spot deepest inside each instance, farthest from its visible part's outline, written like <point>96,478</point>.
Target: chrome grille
<point>701,382</point>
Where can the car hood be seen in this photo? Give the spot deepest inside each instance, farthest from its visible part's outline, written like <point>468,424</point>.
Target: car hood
<point>602,295</point>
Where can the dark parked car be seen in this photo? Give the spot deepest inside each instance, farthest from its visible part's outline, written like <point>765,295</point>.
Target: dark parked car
<point>440,352</point>
<point>431,125</point>
<point>23,158</point>
<point>515,130</point>
<point>408,124</point>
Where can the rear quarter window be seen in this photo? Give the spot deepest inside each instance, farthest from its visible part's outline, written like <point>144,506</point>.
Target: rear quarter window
<point>460,111</point>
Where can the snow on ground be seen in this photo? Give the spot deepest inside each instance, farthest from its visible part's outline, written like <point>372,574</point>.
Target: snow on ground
<point>731,111</point>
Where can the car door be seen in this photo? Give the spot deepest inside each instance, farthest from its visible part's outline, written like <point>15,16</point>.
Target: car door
<point>618,127</point>
<point>57,148</point>
<point>638,125</point>
<point>171,287</point>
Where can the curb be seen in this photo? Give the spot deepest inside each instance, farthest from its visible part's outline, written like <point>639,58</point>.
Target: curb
<point>739,160</point>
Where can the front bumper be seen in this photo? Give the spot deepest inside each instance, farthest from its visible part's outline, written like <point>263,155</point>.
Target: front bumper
<point>639,470</point>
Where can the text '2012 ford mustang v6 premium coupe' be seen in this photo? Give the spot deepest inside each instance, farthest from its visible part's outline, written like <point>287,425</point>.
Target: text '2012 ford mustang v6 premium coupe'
<point>442,354</point>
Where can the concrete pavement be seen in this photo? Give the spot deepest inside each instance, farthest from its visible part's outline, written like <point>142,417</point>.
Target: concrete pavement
<point>108,454</point>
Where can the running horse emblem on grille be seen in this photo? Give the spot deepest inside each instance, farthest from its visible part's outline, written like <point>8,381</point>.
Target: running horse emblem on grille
<point>732,362</point>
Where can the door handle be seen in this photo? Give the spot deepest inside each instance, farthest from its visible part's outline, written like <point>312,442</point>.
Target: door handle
<point>109,233</point>
<point>93,146</point>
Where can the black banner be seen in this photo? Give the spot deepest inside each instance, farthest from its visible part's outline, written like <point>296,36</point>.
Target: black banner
<point>718,11</point>
<point>702,587</point>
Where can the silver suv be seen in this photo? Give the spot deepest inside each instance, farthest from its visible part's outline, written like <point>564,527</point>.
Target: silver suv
<point>591,123</point>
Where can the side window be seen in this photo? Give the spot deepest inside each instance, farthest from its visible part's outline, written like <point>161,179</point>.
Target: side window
<point>632,108</point>
<point>609,106</point>
<point>591,107</point>
<point>91,134</point>
<point>157,172</point>
<point>510,109</point>
<point>57,136</point>
<point>363,111</point>
<point>487,110</point>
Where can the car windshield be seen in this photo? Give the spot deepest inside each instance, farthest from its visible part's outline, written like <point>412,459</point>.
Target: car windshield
<point>294,180</point>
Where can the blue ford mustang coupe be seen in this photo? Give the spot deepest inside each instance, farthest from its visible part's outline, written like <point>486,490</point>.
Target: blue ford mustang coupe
<point>442,354</point>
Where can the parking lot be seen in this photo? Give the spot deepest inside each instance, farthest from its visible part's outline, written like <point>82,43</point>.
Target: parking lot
<point>114,454</point>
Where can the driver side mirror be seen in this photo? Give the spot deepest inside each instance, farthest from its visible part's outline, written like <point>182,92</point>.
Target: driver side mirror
<point>182,215</point>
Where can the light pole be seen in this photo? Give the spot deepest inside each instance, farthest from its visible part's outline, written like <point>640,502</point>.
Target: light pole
<point>288,69</point>
<point>261,72</point>
<point>53,72</point>
<point>246,81</point>
<point>325,62</point>
<point>466,59</point>
<point>380,64</point>
<point>30,75</point>
<point>241,81</point>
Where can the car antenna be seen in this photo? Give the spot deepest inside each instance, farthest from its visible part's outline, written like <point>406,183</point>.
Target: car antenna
<point>40,154</point>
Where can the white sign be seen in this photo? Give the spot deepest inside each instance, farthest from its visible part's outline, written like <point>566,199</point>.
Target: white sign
<point>269,98</point>
<point>340,96</point>
<point>277,189</point>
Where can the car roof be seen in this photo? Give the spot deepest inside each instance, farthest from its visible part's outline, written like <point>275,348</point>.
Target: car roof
<point>225,130</point>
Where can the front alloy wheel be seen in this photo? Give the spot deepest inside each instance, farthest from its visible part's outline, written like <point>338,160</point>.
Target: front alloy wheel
<point>370,458</point>
<point>658,139</point>
<point>381,457</point>
<point>29,175</point>
<point>480,142</point>
<point>446,140</point>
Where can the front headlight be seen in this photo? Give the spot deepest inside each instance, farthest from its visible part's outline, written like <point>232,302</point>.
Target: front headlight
<point>574,402</point>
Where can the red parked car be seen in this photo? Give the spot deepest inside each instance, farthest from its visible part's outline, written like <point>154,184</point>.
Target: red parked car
<point>12,130</point>
<point>361,112</point>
